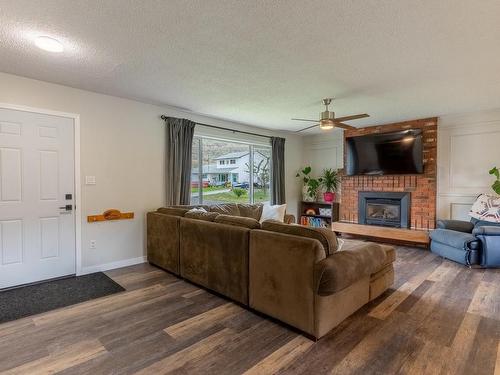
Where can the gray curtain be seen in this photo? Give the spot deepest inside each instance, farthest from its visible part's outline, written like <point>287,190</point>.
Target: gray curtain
<point>178,160</point>
<point>278,170</point>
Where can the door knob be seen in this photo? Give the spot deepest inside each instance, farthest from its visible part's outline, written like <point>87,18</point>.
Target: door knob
<point>68,207</point>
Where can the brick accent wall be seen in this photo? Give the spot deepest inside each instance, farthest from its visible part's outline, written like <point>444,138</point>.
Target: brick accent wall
<point>421,186</point>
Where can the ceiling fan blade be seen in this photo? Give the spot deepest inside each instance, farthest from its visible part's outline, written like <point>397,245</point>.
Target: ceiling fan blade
<point>353,117</point>
<point>343,126</point>
<point>303,119</point>
<point>309,127</point>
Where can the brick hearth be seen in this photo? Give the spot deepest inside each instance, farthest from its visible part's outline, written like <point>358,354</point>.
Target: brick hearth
<point>422,186</point>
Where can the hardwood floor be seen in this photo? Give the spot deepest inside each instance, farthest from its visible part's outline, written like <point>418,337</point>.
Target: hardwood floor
<point>440,318</point>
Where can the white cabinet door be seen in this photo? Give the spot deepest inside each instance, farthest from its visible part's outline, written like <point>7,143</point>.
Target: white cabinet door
<point>37,181</point>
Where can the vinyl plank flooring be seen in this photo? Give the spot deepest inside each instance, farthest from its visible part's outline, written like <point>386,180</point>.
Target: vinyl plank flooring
<point>326,353</point>
<point>482,356</point>
<point>203,321</point>
<point>243,350</point>
<point>280,358</point>
<point>177,360</point>
<point>486,301</point>
<point>61,359</point>
<point>439,318</point>
<point>497,365</point>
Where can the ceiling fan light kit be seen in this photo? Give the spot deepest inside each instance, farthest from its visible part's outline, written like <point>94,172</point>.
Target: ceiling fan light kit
<point>326,124</point>
<point>328,121</point>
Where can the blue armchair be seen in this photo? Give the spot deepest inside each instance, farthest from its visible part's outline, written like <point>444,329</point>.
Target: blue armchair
<point>469,243</point>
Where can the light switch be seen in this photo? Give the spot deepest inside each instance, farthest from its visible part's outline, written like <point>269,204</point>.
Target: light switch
<point>89,180</point>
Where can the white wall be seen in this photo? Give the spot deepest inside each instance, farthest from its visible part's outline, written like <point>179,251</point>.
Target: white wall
<point>468,147</point>
<point>122,144</point>
<point>324,151</point>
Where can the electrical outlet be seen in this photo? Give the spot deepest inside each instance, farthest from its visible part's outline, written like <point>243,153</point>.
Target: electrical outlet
<point>93,244</point>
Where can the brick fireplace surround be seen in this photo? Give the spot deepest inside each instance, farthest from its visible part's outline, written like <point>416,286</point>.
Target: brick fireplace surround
<point>422,187</point>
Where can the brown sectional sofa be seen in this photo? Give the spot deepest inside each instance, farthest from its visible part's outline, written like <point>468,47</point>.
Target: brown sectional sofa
<point>289,272</point>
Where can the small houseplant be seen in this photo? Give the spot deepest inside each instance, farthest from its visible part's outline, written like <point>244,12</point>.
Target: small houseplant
<point>310,185</point>
<point>496,185</point>
<point>312,189</point>
<point>329,180</point>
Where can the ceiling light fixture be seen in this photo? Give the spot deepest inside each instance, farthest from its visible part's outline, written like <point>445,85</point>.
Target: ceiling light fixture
<point>326,124</point>
<point>49,44</point>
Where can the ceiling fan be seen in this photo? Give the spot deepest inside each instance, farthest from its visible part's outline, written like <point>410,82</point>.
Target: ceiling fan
<point>328,121</point>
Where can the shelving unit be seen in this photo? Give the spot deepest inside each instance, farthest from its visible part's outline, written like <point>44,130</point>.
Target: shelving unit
<point>316,219</point>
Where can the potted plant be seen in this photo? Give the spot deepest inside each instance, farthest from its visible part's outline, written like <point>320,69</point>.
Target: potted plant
<point>310,185</point>
<point>496,185</point>
<point>312,189</point>
<point>329,180</point>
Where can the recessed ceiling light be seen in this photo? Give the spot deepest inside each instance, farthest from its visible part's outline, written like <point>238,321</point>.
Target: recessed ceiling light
<point>49,44</point>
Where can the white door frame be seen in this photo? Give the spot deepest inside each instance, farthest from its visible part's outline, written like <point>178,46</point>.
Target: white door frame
<point>77,201</point>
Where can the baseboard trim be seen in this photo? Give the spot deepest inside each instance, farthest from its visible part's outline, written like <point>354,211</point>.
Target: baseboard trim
<point>113,265</point>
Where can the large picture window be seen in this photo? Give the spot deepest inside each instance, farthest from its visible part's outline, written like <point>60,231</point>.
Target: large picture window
<point>230,172</point>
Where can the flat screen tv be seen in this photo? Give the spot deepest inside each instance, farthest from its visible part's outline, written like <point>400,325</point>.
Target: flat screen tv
<point>385,153</point>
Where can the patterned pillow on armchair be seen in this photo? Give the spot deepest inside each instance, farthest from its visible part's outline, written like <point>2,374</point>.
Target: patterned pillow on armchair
<point>486,208</point>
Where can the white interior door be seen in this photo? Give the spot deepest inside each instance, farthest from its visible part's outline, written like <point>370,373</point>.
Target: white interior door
<point>37,230</point>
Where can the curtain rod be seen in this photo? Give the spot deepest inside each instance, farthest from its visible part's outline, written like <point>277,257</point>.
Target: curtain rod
<point>163,117</point>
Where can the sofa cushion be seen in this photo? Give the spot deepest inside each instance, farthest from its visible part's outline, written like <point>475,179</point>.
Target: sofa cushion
<point>456,254</point>
<point>458,240</point>
<point>216,257</point>
<point>226,209</point>
<point>458,225</point>
<point>163,240</point>
<point>344,268</point>
<point>245,222</point>
<point>200,215</point>
<point>390,253</point>
<point>325,236</point>
<point>173,211</point>
<point>482,223</point>
<point>253,211</point>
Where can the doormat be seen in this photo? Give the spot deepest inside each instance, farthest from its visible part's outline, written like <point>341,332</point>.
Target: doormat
<point>39,298</point>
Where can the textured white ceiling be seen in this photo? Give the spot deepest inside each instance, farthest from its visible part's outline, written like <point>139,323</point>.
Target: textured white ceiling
<point>263,62</point>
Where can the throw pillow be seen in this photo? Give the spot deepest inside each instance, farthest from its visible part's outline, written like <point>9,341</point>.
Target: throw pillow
<point>226,209</point>
<point>250,210</point>
<point>197,209</point>
<point>486,208</point>
<point>276,212</point>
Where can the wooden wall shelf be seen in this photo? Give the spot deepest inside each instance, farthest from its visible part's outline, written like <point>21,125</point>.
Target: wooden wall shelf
<point>110,215</point>
<point>420,237</point>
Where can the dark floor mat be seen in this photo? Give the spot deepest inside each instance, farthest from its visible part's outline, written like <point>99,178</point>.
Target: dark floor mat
<point>35,299</point>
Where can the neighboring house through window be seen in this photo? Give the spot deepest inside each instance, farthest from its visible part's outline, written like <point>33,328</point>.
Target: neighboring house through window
<point>231,172</point>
